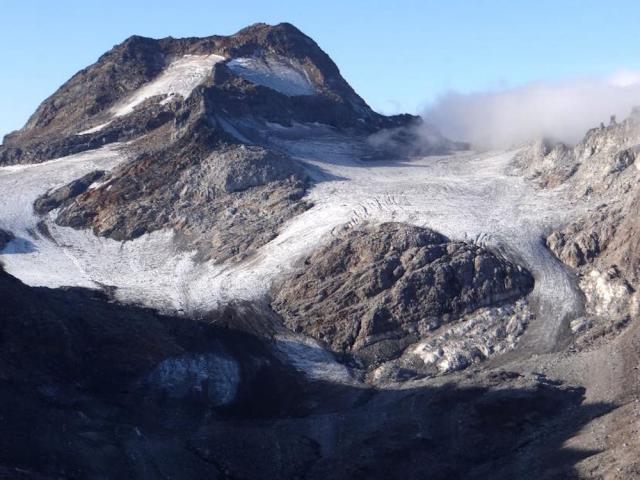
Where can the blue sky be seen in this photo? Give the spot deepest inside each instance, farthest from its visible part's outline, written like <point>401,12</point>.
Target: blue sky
<point>398,55</point>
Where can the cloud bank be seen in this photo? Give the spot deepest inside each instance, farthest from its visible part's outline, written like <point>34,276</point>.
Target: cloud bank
<point>559,110</point>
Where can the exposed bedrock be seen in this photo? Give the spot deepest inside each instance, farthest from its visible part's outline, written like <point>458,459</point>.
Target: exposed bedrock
<point>53,199</point>
<point>375,290</point>
<point>603,244</point>
<point>599,164</point>
<point>224,201</point>
<point>604,249</point>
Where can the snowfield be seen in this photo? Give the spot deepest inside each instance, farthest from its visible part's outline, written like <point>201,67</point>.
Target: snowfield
<point>308,356</point>
<point>468,196</point>
<point>179,78</point>
<point>280,74</point>
<point>183,75</point>
<point>32,257</point>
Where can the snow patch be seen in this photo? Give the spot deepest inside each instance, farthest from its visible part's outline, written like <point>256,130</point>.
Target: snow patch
<point>308,356</point>
<point>178,79</point>
<point>281,74</point>
<point>579,324</point>
<point>481,335</point>
<point>95,129</point>
<point>605,292</point>
<point>32,257</point>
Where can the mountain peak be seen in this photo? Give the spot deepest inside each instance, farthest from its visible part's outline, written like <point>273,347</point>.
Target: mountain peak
<point>262,27</point>
<point>271,72</point>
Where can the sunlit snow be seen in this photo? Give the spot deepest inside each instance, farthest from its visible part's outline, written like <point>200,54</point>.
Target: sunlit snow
<point>280,74</point>
<point>178,79</point>
<point>95,129</point>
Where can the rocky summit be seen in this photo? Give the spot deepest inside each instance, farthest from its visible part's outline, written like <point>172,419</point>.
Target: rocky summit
<point>272,73</point>
<point>217,261</point>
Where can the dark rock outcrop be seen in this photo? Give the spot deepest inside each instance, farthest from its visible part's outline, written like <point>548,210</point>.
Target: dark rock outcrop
<point>5,238</point>
<point>52,200</point>
<point>374,290</point>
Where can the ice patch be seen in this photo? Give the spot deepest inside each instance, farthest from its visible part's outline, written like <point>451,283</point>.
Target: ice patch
<point>178,79</point>
<point>280,74</point>
<point>308,356</point>
<point>211,375</point>
<point>232,130</point>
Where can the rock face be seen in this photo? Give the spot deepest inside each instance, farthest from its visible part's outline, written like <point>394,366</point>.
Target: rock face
<point>607,236</point>
<point>245,167</point>
<point>597,164</point>
<point>581,242</point>
<point>373,291</point>
<point>604,248</point>
<point>604,244</point>
<point>546,163</point>
<point>5,238</point>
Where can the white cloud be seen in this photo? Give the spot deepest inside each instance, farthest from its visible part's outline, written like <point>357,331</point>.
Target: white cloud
<point>624,78</point>
<point>562,110</point>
